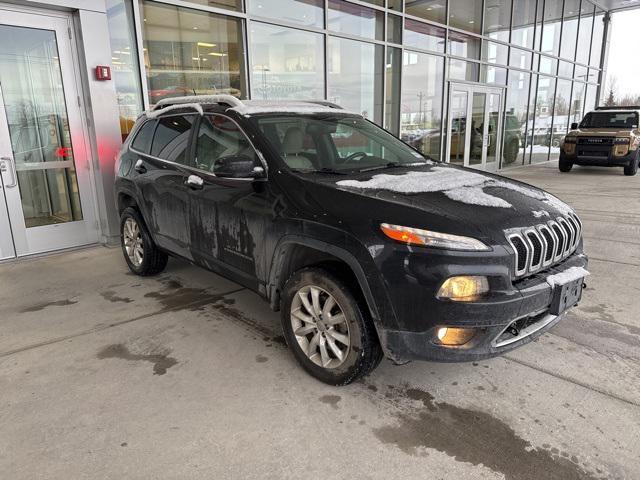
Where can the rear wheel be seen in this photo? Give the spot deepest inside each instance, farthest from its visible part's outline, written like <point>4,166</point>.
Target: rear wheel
<point>511,152</point>
<point>140,252</point>
<point>565,166</point>
<point>632,169</point>
<point>327,328</point>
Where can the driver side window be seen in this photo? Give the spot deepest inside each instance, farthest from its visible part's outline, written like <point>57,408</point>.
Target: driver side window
<point>219,137</point>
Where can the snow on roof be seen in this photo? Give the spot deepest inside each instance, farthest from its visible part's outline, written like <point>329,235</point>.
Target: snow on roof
<point>457,184</point>
<point>156,113</point>
<point>253,107</point>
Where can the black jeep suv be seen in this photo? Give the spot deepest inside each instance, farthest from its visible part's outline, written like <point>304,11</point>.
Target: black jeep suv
<point>368,248</point>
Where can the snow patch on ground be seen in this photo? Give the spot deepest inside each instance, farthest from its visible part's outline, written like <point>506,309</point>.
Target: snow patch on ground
<point>569,275</point>
<point>459,185</point>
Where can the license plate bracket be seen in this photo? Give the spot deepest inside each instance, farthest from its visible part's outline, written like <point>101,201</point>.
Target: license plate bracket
<point>566,296</point>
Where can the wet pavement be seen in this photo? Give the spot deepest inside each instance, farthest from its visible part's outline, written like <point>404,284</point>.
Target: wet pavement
<point>107,375</point>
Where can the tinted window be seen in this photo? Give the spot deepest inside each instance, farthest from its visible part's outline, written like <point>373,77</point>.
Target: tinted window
<point>171,139</point>
<point>142,142</point>
<point>220,137</point>
<point>610,120</point>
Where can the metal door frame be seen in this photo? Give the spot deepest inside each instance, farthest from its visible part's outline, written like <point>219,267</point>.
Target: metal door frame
<point>41,239</point>
<point>470,89</point>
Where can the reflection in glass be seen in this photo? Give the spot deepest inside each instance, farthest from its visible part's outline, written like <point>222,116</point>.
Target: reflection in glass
<point>124,63</point>
<point>422,83</point>
<point>585,31</point>
<point>552,28</point>
<point>590,99</point>
<point>462,45</point>
<point>392,86</point>
<point>524,18</point>
<point>577,101</point>
<point>548,65</point>
<point>493,75</point>
<point>435,10</point>
<point>515,119</point>
<point>561,109</point>
<point>543,118</point>
<point>570,29</point>
<point>355,80</point>
<point>227,4</point>
<point>466,14</point>
<point>286,63</point>
<point>493,104</point>
<point>465,71</point>
<point>356,20</point>
<point>459,104</point>
<point>423,35</point>
<point>190,52</point>
<point>495,52</point>
<point>476,129</point>
<point>394,29</point>
<point>596,39</point>
<point>520,58</point>
<point>565,69</point>
<point>309,13</point>
<point>38,126</point>
<point>497,19</point>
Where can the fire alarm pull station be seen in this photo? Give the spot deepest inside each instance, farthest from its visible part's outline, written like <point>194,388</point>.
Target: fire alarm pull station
<point>103,72</point>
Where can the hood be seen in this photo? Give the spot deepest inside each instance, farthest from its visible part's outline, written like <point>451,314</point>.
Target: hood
<point>602,132</point>
<point>458,200</point>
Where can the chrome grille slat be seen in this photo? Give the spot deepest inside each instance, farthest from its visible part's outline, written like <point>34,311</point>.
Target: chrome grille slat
<point>540,246</point>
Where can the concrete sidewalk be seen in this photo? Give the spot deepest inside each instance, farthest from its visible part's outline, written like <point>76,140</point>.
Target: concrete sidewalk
<point>107,375</point>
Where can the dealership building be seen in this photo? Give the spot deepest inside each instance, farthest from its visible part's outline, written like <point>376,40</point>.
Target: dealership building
<point>490,84</point>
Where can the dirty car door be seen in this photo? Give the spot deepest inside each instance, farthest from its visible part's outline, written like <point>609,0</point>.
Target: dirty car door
<point>228,214</point>
<point>161,179</point>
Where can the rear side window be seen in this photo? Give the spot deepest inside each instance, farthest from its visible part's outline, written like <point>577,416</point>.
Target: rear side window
<point>142,141</point>
<point>220,137</point>
<point>171,140</point>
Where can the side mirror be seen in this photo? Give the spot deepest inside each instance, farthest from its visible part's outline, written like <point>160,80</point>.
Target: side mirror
<point>237,166</point>
<point>574,126</point>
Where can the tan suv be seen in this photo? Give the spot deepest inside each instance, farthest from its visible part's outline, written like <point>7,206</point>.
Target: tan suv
<point>606,137</point>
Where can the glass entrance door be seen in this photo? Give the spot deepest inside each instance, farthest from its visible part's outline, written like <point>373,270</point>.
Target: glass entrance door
<point>45,201</point>
<point>474,126</point>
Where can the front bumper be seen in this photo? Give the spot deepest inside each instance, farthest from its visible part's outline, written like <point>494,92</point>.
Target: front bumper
<point>609,160</point>
<point>529,306</point>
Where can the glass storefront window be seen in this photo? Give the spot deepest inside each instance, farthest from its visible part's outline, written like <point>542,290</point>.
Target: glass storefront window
<point>461,70</point>
<point>354,19</point>
<point>466,15</point>
<point>577,102</point>
<point>561,109</point>
<point>355,76</point>
<point>308,13</point>
<point>286,63</point>
<point>596,39</point>
<point>548,65</point>
<point>590,99</point>
<point>552,28</point>
<point>497,19</point>
<point>190,52</point>
<point>565,69</point>
<point>394,29</point>
<point>462,45</point>
<point>493,75</point>
<point>434,11</point>
<point>520,58</point>
<point>542,130</point>
<point>394,5</point>
<point>392,85</point>
<point>226,4</point>
<point>584,32</point>
<point>515,123</point>
<point>421,116</point>
<point>423,35</point>
<point>495,53</point>
<point>570,29</point>
<point>524,18</point>
<point>124,62</point>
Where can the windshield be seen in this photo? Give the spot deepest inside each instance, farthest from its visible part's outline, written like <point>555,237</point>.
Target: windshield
<point>610,120</point>
<point>336,144</point>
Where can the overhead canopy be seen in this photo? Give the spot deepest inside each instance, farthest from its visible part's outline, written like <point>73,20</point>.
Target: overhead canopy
<point>613,5</point>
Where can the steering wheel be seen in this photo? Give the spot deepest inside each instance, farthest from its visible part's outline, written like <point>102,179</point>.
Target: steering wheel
<point>354,156</point>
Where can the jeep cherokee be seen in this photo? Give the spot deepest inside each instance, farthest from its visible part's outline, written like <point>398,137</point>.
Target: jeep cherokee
<point>606,137</point>
<point>367,247</point>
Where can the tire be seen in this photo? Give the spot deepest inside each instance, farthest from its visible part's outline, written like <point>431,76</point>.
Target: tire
<point>149,259</point>
<point>358,344</point>
<point>632,169</point>
<point>511,152</point>
<point>565,166</point>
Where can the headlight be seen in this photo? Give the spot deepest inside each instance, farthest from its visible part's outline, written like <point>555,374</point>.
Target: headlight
<point>569,139</point>
<point>621,141</point>
<point>464,288</point>
<point>427,238</point>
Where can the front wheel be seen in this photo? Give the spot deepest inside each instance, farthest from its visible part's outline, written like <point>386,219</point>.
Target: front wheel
<point>140,252</point>
<point>632,169</point>
<point>328,328</point>
<point>565,166</point>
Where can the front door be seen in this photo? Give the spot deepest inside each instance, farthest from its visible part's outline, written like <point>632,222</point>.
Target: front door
<point>474,126</point>
<point>45,196</point>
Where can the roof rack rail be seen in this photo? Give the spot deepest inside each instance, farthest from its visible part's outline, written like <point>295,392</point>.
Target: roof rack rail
<point>625,107</point>
<point>202,99</point>
<point>325,104</point>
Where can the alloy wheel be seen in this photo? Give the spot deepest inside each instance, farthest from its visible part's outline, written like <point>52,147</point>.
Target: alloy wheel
<point>133,244</point>
<point>320,327</point>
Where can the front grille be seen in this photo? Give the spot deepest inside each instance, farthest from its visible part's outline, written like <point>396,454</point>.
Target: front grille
<point>595,141</point>
<point>542,245</point>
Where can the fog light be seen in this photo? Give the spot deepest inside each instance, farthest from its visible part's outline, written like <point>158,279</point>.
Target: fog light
<point>454,336</point>
<point>464,288</point>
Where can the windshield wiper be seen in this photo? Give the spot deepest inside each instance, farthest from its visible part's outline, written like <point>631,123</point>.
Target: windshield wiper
<point>328,171</point>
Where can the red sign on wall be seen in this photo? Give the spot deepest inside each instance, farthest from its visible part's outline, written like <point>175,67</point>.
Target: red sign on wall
<point>103,72</point>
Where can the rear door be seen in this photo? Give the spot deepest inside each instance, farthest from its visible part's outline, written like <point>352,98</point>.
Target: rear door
<point>160,174</point>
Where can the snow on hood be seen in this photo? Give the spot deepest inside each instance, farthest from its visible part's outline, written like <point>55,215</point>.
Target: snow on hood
<point>459,185</point>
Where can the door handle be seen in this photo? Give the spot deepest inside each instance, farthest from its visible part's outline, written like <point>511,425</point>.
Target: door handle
<point>4,161</point>
<point>139,166</point>
<point>195,182</point>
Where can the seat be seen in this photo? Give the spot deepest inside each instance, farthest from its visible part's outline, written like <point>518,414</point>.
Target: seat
<point>292,149</point>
